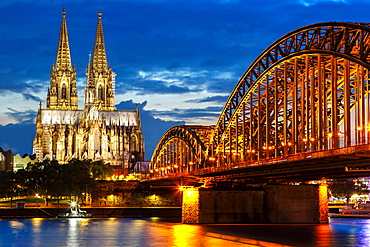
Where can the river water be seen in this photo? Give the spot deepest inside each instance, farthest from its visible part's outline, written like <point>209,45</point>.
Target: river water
<point>156,232</point>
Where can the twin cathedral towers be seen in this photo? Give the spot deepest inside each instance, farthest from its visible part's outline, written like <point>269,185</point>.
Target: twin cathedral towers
<point>97,132</point>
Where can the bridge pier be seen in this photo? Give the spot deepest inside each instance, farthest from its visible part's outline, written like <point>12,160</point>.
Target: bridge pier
<point>268,204</point>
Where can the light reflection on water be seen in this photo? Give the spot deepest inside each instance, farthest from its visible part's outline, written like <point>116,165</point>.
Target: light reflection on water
<point>153,232</point>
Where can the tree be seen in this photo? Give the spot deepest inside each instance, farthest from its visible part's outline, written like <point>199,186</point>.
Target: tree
<point>343,188</point>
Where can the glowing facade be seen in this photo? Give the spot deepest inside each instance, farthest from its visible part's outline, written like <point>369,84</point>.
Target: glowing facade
<point>98,131</point>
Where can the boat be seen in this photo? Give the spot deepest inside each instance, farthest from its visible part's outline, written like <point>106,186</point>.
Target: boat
<point>357,211</point>
<point>75,212</point>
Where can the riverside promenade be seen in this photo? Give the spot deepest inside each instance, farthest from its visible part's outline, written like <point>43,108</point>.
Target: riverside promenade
<point>96,211</point>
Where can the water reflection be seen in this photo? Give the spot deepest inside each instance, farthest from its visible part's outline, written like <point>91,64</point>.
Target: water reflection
<point>186,235</point>
<point>153,232</point>
<point>73,236</point>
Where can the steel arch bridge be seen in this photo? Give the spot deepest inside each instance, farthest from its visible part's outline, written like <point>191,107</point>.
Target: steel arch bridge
<point>306,96</point>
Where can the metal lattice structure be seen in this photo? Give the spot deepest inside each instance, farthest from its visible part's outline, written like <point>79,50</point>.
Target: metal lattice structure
<point>181,149</point>
<point>307,92</point>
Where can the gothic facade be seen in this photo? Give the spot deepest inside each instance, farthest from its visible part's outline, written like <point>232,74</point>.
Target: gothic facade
<point>98,131</point>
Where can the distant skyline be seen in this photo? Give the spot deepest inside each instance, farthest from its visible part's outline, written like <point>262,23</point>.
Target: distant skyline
<point>178,59</point>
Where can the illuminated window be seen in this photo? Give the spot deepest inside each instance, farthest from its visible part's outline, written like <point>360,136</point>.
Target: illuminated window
<point>64,92</point>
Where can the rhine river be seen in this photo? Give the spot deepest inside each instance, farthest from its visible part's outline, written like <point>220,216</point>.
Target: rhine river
<point>154,232</point>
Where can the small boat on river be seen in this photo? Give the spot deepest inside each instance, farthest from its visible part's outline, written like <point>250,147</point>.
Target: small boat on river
<point>75,212</point>
<point>356,211</point>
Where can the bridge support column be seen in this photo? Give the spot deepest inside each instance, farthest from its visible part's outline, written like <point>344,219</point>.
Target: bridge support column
<point>296,204</point>
<point>269,204</point>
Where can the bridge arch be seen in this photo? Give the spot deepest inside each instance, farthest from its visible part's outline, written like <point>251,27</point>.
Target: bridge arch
<point>331,56</point>
<point>181,149</point>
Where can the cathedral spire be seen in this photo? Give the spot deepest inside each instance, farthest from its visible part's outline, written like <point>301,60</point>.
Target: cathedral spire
<point>100,78</point>
<point>99,59</point>
<point>62,93</point>
<point>63,55</point>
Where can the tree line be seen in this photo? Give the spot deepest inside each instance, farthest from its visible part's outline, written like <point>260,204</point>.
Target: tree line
<point>50,179</point>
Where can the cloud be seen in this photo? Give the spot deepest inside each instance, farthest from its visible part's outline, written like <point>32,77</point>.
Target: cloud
<point>153,128</point>
<point>31,97</point>
<point>218,99</point>
<point>211,111</point>
<point>27,116</point>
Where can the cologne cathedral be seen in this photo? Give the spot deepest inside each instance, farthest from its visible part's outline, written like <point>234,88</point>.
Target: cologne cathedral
<point>96,132</point>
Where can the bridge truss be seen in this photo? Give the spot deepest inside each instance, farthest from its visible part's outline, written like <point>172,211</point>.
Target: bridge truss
<point>308,92</point>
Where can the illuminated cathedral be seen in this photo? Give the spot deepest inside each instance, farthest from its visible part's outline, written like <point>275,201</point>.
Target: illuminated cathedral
<point>96,132</point>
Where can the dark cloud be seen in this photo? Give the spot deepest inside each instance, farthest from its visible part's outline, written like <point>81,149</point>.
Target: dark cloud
<point>22,116</point>
<point>32,97</point>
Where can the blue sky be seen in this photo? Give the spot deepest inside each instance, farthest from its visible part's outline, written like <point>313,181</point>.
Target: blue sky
<point>178,59</point>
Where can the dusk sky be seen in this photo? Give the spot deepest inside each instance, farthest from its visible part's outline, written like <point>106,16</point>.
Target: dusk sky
<point>178,59</point>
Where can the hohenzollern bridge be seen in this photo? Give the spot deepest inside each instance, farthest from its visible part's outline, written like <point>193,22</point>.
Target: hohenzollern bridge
<point>301,111</point>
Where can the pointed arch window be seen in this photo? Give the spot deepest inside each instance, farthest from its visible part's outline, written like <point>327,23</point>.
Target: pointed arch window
<point>100,93</point>
<point>64,91</point>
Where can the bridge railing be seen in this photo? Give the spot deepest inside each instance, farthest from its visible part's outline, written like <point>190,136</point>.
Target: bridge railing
<point>269,161</point>
<point>284,159</point>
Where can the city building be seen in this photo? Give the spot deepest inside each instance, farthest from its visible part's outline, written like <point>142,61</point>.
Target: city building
<point>6,160</point>
<point>96,132</point>
<point>21,162</point>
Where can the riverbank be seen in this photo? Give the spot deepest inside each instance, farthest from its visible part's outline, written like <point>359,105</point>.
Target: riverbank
<point>97,212</point>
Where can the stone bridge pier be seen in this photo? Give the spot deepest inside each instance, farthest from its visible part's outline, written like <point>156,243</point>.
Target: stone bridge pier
<point>267,204</point>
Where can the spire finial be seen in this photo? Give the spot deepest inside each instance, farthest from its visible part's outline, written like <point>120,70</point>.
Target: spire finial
<point>64,11</point>
<point>99,13</point>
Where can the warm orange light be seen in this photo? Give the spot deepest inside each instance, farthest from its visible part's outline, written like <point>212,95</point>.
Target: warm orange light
<point>312,139</point>
<point>156,170</point>
<point>330,135</point>
<point>190,163</point>
<point>151,171</point>
<point>290,144</point>
<point>339,133</point>
<point>264,147</point>
<point>162,168</point>
<point>359,128</point>
<point>304,139</point>
<point>283,144</point>
<point>176,166</point>
<point>168,167</point>
<point>253,151</point>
